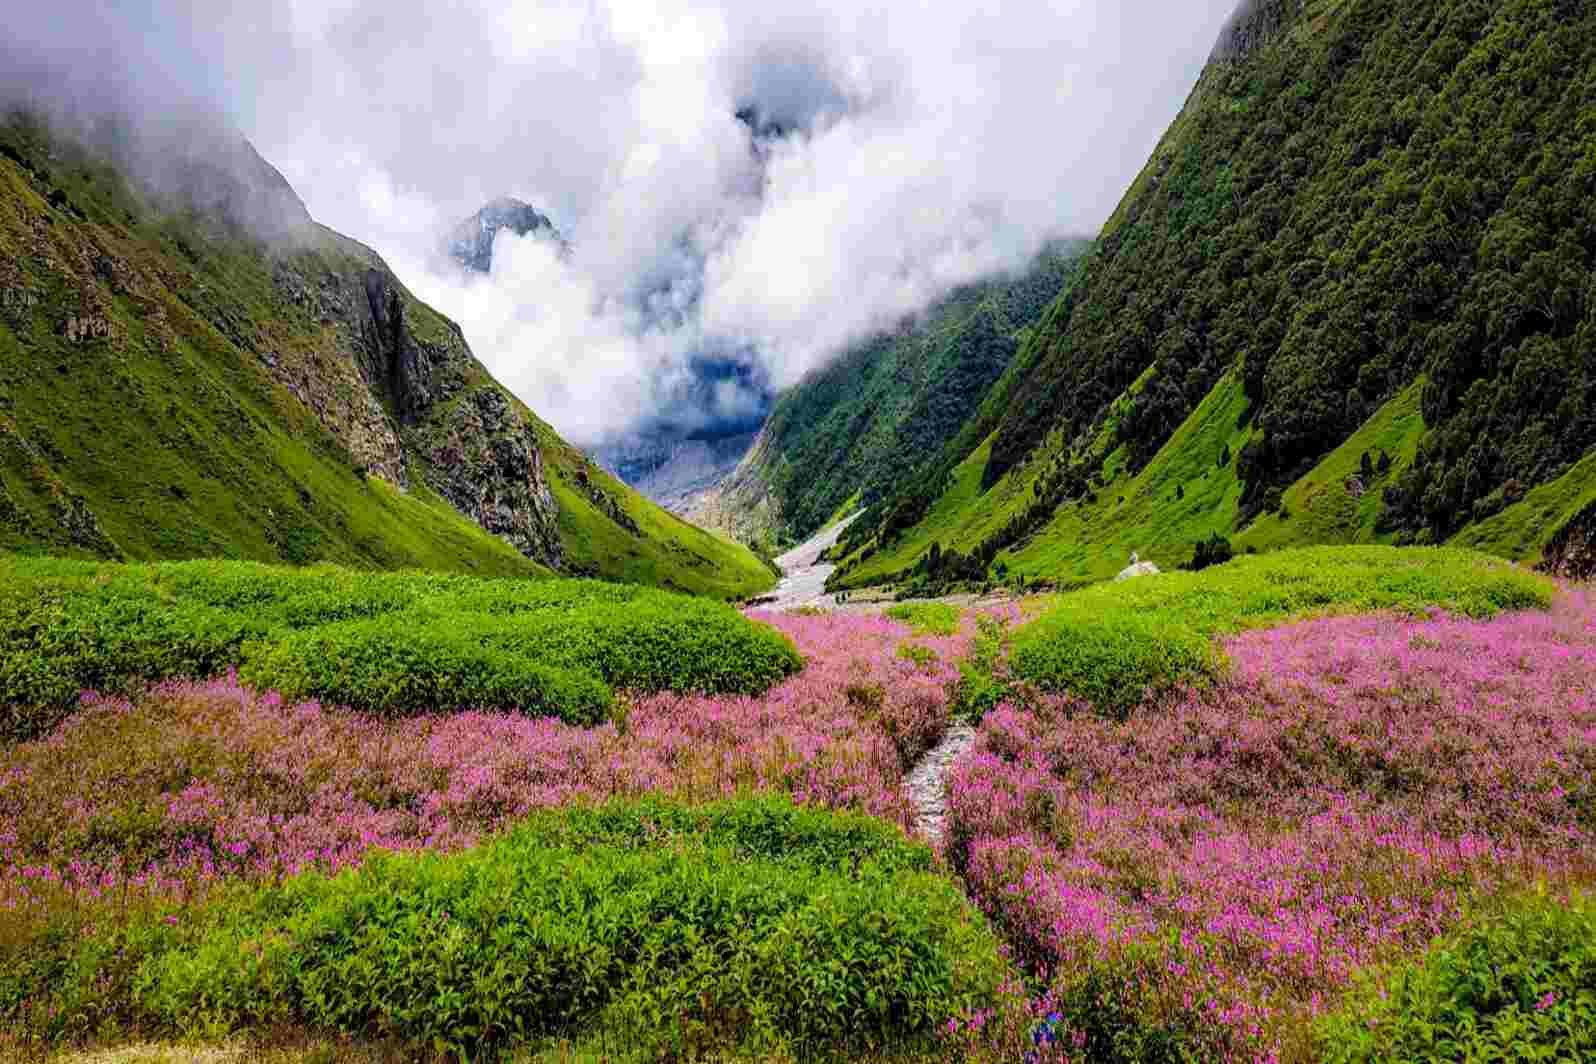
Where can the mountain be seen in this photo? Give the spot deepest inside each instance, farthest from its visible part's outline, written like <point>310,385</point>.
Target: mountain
<point>850,433</point>
<point>686,449</point>
<point>190,366</point>
<point>1370,232</point>
<point>471,242</point>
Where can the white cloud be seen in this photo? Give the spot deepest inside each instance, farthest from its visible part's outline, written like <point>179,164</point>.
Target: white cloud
<point>926,145</point>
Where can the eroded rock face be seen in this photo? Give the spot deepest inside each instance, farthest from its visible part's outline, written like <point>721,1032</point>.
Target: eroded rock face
<point>1572,550</point>
<point>403,402</point>
<point>1254,23</point>
<point>484,459</point>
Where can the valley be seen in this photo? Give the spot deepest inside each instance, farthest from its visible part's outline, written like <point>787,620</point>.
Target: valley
<point>351,713</point>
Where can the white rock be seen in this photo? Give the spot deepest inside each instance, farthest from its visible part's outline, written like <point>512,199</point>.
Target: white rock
<point>1139,569</point>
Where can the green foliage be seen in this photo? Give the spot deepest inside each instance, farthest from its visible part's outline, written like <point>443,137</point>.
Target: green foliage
<point>1118,1008</point>
<point>874,419</point>
<point>751,925</point>
<point>385,642</point>
<point>927,618</point>
<point>1518,984</point>
<point>1215,550</point>
<point>1091,536</point>
<point>1525,529</point>
<point>1374,191</point>
<point>1114,644</point>
<point>1115,659</point>
<point>983,674</point>
<point>1345,227</point>
<point>380,667</point>
<point>1337,501</point>
<point>230,410</point>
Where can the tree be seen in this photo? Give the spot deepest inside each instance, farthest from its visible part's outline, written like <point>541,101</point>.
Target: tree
<point>1215,550</point>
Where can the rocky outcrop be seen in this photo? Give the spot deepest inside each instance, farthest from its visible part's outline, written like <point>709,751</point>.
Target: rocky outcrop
<point>1253,24</point>
<point>1571,552</point>
<point>1137,568</point>
<point>484,459</point>
<point>471,242</point>
<point>407,374</point>
<point>397,390</point>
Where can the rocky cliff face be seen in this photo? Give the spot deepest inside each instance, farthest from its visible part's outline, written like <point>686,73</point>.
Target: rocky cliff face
<point>412,398</point>
<point>1253,24</point>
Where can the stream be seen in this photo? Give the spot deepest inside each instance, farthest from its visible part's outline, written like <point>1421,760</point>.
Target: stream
<point>803,583</point>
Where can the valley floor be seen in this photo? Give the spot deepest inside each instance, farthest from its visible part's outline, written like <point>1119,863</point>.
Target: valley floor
<point>1242,864</point>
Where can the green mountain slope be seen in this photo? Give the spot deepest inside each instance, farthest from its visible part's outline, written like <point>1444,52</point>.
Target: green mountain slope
<point>1378,218</point>
<point>852,432</point>
<point>189,366</point>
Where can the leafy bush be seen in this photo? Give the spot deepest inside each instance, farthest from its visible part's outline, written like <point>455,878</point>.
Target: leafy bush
<point>1207,553</point>
<point>1113,643</point>
<point>388,642</point>
<point>927,618</point>
<point>752,924</point>
<point>1114,660</point>
<point>1519,984</point>
<point>391,671</point>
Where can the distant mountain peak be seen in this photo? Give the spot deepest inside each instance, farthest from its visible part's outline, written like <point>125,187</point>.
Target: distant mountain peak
<point>471,242</point>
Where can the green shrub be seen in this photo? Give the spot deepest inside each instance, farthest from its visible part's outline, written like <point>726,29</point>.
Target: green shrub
<point>389,670</point>
<point>387,642</point>
<point>752,925</point>
<point>1111,643</point>
<point>927,618</point>
<point>1120,1008</point>
<point>1519,984</point>
<point>1114,660</point>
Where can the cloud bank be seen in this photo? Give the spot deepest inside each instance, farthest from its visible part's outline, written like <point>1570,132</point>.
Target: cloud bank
<point>746,188</point>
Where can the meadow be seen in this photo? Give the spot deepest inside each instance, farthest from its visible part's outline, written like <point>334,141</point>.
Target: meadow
<point>1361,831</point>
<point>388,643</point>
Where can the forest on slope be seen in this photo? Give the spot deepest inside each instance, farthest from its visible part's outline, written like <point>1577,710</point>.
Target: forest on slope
<point>191,367</point>
<point>1363,201</point>
<point>853,431</point>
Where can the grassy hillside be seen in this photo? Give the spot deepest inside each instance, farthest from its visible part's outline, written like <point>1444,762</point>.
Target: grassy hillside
<point>1377,220</point>
<point>179,380</point>
<point>882,412</point>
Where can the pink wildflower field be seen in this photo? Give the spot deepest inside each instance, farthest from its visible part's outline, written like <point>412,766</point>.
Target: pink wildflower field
<point>200,781</point>
<point>1231,856</point>
<point>1238,852</point>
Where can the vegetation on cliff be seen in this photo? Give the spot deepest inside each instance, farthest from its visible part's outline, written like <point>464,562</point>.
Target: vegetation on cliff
<point>1371,232</point>
<point>194,368</point>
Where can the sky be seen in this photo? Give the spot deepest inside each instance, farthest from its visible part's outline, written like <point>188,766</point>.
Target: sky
<point>753,184</point>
